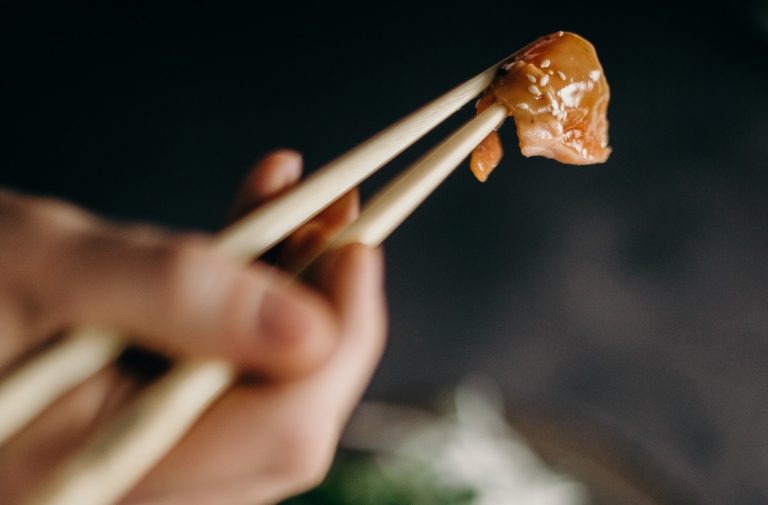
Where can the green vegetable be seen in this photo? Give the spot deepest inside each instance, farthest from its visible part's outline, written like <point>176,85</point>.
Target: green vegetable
<point>359,479</point>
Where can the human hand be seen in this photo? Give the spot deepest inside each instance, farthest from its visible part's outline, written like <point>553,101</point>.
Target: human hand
<point>310,350</point>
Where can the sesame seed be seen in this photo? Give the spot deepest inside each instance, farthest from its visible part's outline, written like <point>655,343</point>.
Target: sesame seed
<point>561,74</point>
<point>545,64</point>
<point>544,80</point>
<point>509,65</point>
<point>534,90</point>
<point>523,106</point>
<point>530,77</point>
<point>550,72</point>
<point>551,98</point>
<point>594,75</point>
<point>560,33</point>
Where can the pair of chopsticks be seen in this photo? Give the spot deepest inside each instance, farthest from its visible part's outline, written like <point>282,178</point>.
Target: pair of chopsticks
<point>121,452</point>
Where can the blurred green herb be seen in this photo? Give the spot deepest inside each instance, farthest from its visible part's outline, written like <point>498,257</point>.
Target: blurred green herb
<point>357,479</point>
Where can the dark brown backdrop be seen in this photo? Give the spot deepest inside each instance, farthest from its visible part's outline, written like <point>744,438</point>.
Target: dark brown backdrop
<point>628,298</point>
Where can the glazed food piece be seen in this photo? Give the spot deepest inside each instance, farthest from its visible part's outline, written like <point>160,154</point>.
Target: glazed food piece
<point>555,89</point>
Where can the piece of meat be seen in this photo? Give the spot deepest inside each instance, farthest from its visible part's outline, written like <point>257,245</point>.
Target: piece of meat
<point>555,89</point>
<point>486,156</point>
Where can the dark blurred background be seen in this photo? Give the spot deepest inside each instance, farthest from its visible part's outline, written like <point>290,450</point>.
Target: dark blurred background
<point>625,303</point>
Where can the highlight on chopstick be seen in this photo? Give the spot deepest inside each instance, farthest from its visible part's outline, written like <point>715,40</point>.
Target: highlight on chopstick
<point>556,91</point>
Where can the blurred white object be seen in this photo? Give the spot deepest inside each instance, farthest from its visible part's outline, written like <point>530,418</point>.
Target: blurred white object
<point>470,446</point>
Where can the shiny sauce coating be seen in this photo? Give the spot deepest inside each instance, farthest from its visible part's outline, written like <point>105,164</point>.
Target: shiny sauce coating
<point>555,89</point>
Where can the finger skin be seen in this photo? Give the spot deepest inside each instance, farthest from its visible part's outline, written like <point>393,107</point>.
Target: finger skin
<point>172,293</point>
<point>354,280</point>
<point>31,231</point>
<point>313,237</point>
<point>269,177</point>
<point>180,298</point>
<point>314,349</point>
<point>61,267</point>
<point>296,423</point>
<point>36,450</point>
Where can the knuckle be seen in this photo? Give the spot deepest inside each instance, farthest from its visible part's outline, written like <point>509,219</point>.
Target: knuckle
<point>39,224</point>
<point>195,282</point>
<point>180,261</point>
<point>58,215</point>
<point>180,254</point>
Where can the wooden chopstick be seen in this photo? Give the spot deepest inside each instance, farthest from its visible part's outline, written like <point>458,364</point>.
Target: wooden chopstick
<point>391,206</point>
<point>25,393</point>
<point>278,218</point>
<point>28,391</point>
<point>121,453</point>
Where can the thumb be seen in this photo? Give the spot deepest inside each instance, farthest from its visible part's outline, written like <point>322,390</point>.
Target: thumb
<point>177,296</point>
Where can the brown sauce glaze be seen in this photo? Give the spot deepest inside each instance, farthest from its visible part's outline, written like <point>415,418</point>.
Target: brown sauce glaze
<point>556,91</point>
